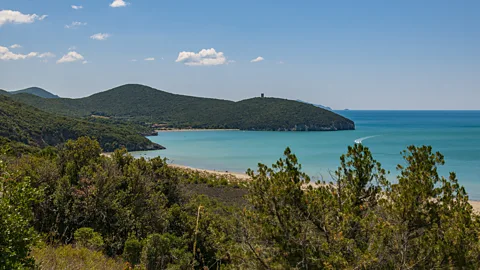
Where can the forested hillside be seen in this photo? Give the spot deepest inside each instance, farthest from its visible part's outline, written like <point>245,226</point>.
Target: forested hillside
<point>143,103</point>
<point>31,126</point>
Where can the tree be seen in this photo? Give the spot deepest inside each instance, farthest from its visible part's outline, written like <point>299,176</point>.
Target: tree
<point>428,222</point>
<point>76,154</point>
<point>17,234</point>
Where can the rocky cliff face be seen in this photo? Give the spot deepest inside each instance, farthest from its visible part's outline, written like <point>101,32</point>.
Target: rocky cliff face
<point>334,126</point>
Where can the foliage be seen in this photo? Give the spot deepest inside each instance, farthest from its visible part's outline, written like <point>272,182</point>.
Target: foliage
<point>132,250</point>
<point>88,238</point>
<point>68,257</point>
<point>27,125</point>
<point>161,251</point>
<point>17,235</point>
<point>154,216</point>
<point>361,220</point>
<point>144,104</point>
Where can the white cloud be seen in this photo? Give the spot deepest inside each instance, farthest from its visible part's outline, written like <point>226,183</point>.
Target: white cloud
<point>73,48</point>
<point>15,46</point>
<point>70,57</point>
<point>100,36</point>
<point>258,59</point>
<point>46,55</point>
<point>85,62</point>
<point>206,57</point>
<point>134,60</point>
<point>150,59</point>
<point>16,17</point>
<point>280,63</point>
<point>75,25</point>
<point>6,54</point>
<point>77,7</point>
<point>119,3</point>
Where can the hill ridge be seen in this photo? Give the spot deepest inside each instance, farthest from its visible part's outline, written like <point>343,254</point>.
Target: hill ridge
<point>146,104</point>
<point>37,91</point>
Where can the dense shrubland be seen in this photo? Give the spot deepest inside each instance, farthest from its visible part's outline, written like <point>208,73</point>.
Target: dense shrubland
<point>70,207</point>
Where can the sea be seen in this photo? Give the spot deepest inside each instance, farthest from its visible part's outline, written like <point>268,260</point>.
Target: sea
<point>455,134</point>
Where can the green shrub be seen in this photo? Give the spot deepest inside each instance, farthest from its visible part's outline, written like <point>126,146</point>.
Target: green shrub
<point>132,250</point>
<point>17,235</point>
<point>164,250</point>
<point>68,257</point>
<point>88,238</point>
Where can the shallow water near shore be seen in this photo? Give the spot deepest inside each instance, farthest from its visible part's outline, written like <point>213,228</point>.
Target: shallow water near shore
<point>456,134</point>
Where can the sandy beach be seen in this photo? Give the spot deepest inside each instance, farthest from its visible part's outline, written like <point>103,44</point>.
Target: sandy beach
<point>240,176</point>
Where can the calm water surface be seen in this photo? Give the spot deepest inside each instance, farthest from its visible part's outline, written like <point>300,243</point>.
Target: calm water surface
<point>456,134</point>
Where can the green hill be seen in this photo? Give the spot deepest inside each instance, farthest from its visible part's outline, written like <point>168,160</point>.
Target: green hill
<point>35,91</point>
<point>146,104</point>
<point>31,126</point>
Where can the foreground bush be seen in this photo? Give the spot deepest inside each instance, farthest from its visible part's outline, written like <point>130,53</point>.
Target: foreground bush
<point>17,235</point>
<point>68,257</point>
<point>88,238</point>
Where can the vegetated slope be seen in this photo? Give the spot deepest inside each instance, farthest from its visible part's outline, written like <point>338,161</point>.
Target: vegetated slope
<point>143,103</point>
<point>22,123</point>
<point>35,91</point>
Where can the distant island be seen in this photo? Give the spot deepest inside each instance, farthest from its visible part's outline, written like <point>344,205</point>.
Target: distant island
<point>143,104</point>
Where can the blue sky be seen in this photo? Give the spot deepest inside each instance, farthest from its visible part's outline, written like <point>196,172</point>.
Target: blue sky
<point>343,54</point>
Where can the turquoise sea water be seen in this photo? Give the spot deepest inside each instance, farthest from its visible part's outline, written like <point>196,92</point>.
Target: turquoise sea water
<point>456,134</point>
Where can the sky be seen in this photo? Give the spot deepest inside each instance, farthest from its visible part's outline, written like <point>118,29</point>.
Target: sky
<point>369,55</point>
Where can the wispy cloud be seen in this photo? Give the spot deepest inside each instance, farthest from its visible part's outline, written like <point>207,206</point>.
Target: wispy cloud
<point>258,59</point>
<point>46,55</point>
<point>16,17</point>
<point>15,46</point>
<point>72,48</point>
<point>77,7</point>
<point>119,3</point>
<point>100,36</point>
<point>6,55</point>
<point>205,57</point>
<point>134,60</point>
<point>150,59</point>
<point>85,62</point>
<point>75,25</point>
<point>280,63</point>
<point>70,57</point>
